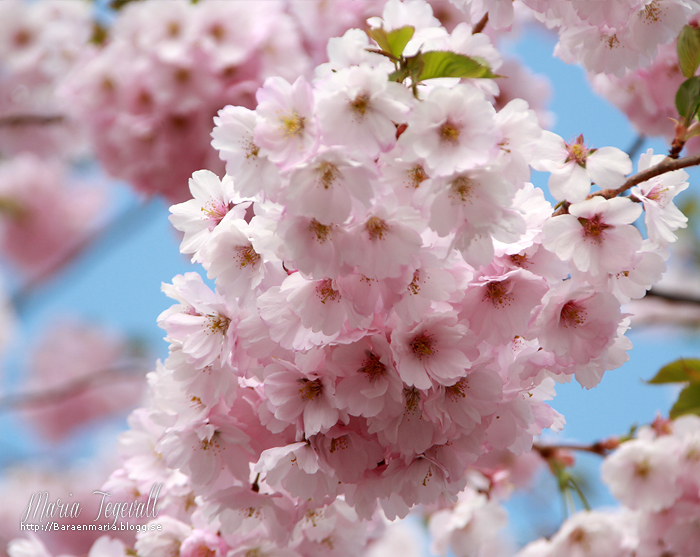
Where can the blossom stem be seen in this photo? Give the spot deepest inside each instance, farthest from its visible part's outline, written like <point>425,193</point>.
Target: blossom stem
<point>481,24</point>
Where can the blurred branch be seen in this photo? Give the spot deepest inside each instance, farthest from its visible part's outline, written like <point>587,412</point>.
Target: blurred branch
<point>601,448</point>
<point>636,145</point>
<point>120,228</point>
<point>115,374</point>
<point>30,120</point>
<point>678,298</point>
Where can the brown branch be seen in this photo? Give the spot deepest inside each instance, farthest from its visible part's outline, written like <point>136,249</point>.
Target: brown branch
<point>73,388</point>
<point>666,165</point>
<point>674,297</point>
<point>601,448</point>
<point>30,120</point>
<point>479,27</point>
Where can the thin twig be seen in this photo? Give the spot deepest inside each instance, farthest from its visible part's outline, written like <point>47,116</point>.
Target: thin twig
<point>546,451</point>
<point>636,145</point>
<point>666,165</point>
<point>30,120</point>
<point>479,27</point>
<point>73,388</point>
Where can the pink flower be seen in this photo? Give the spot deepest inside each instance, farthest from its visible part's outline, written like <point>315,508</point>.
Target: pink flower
<point>577,322</point>
<point>306,399</point>
<point>286,128</point>
<point>661,216</point>
<point>596,235</point>
<point>642,475</point>
<point>574,165</point>
<point>452,130</point>
<point>359,108</point>
<point>438,348</point>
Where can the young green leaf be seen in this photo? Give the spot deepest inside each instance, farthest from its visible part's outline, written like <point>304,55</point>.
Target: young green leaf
<point>688,48</point>
<point>379,35</point>
<point>688,402</point>
<point>439,63</point>
<point>398,39</point>
<point>688,99</point>
<point>680,371</point>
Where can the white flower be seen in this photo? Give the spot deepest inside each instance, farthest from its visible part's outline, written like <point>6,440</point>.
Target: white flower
<point>661,216</point>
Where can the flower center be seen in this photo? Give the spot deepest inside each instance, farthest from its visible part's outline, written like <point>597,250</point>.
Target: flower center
<point>422,346</point>
<point>449,133</point>
<point>310,390</point>
<point>216,210</point>
<point>360,104</point>
<point>416,175</point>
<point>326,292</point>
<point>498,293</point>
<point>412,396</point>
<point>462,187</point>
<point>218,324</point>
<point>372,367</point>
<point>322,231</point>
<point>651,12</point>
<point>593,228</point>
<point>292,124</point>
<point>414,286</point>
<point>376,228</point>
<point>329,174</point>
<point>246,256</point>
<point>572,314</point>
<point>457,390</point>
<point>577,151</point>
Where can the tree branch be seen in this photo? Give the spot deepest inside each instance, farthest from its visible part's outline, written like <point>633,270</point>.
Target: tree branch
<point>666,165</point>
<point>75,387</point>
<point>601,448</point>
<point>30,120</point>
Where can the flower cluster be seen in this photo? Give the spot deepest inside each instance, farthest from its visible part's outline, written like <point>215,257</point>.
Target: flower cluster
<point>604,37</point>
<point>39,44</point>
<point>393,300</point>
<point>656,477</point>
<point>149,94</point>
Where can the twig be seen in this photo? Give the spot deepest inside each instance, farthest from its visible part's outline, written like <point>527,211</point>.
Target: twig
<point>72,388</point>
<point>479,27</point>
<point>636,145</point>
<point>30,120</point>
<point>601,448</point>
<point>666,165</point>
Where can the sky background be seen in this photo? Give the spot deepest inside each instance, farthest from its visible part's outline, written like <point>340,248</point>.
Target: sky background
<point>117,284</point>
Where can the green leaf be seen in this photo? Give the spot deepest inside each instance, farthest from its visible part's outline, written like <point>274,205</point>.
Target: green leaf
<point>688,402</point>
<point>688,99</point>
<point>394,41</point>
<point>440,63</point>
<point>688,47</point>
<point>398,39</point>
<point>680,371</point>
<point>380,36</point>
